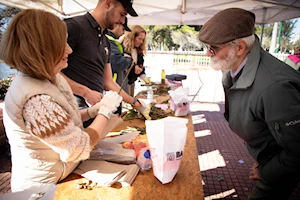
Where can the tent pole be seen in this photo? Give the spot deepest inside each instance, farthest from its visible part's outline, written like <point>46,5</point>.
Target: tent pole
<point>263,25</point>
<point>278,38</point>
<point>273,40</point>
<point>183,11</point>
<point>51,7</point>
<point>262,33</point>
<point>183,7</point>
<point>80,5</point>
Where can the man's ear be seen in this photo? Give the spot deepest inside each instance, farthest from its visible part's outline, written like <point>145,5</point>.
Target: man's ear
<point>108,3</point>
<point>242,48</point>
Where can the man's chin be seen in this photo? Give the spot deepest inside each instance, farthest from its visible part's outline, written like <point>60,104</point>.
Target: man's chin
<point>221,66</point>
<point>216,67</point>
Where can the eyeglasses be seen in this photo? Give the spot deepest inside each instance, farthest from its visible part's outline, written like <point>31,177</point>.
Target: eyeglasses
<point>214,49</point>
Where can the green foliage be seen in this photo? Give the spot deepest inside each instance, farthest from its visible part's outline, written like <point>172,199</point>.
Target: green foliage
<point>285,34</point>
<point>186,37</point>
<point>297,43</point>
<point>5,16</point>
<point>4,85</point>
<point>173,37</point>
<point>159,37</point>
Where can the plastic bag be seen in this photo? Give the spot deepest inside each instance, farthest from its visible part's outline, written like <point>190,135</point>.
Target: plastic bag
<point>166,139</point>
<point>179,102</point>
<point>113,152</point>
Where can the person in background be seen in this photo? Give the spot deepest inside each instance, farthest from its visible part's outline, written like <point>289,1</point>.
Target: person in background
<point>89,73</point>
<point>293,60</point>
<point>135,45</point>
<point>120,62</point>
<point>262,98</point>
<point>41,118</point>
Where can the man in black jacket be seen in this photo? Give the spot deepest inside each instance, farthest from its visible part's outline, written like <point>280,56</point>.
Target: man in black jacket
<point>262,101</point>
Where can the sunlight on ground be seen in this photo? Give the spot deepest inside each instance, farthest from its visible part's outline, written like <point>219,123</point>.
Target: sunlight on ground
<point>205,107</point>
<point>197,119</point>
<point>202,133</point>
<point>211,160</point>
<point>221,195</point>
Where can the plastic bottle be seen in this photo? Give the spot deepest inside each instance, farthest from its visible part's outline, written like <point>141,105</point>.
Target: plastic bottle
<point>144,160</point>
<point>150,93</point>
<point>163,76</point>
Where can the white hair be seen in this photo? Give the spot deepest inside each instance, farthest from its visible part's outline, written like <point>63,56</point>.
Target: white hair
<point>249,40</point>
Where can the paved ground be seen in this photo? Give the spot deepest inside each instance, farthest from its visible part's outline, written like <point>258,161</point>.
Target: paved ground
<point>223,158</point>
<point>5,174</point>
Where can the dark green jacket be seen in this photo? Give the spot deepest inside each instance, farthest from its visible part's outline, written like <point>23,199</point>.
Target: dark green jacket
<point>119,62</point>
<point>263,108</point>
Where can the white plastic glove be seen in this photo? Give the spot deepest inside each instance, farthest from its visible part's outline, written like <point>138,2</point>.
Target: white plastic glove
<point>144,109</point>
<point>145,78</point>
<point>109,103</point>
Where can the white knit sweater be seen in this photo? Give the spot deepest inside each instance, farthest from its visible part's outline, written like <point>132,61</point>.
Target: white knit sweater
<point>44,128</point>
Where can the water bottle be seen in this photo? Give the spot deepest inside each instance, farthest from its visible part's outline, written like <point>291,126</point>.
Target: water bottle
<point>150,93</point>
<point>144,160</point>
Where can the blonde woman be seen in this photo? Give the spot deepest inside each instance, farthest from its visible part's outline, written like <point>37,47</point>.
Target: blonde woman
<point>41,116</point>
<point>134,43</point>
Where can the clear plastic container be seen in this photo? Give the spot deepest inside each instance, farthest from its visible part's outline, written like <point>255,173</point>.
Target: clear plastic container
<point>150,93</point>
<point>144,159</point>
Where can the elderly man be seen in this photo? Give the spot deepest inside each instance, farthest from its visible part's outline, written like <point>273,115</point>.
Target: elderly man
<point>262,101</point>
<point>89,71</point>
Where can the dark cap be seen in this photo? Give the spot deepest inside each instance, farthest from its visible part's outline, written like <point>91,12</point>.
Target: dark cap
<point>125,25</point>
<point>127,4</point>
<point>227,25</point>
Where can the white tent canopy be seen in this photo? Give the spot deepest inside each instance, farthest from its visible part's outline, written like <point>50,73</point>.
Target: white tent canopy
<point>173,12</point>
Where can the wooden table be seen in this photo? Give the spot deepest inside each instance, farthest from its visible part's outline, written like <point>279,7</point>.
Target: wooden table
<point>187,184</point>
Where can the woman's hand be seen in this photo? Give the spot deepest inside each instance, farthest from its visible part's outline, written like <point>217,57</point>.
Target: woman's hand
<point>138,69</point>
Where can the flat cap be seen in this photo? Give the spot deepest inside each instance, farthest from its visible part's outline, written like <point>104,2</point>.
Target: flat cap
<point>227,25</point>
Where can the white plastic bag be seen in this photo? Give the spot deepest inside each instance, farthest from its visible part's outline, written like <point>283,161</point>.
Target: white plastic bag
<point>166,139</point>
<point>179,101</point>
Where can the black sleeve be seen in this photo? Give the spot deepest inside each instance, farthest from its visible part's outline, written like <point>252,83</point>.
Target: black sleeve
<point>132,76</point>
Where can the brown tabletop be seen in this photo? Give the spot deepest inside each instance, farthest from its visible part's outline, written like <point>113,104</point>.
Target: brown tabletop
<point>187,184</point>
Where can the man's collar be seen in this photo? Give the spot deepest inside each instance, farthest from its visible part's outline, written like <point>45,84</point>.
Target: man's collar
<point>94,23</point>
<point>111,34</point>
<point>234,73</point>
<point>249,71</point>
